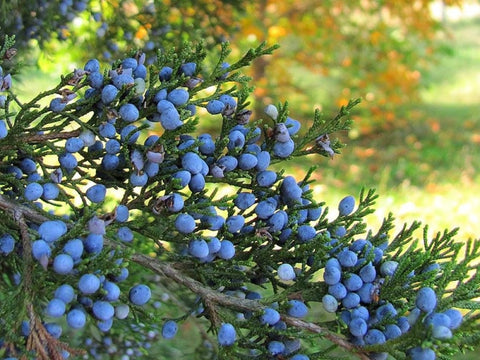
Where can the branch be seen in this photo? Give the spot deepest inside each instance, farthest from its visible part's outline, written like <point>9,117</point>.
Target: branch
<point>17,209</point>
<point>216,297</point>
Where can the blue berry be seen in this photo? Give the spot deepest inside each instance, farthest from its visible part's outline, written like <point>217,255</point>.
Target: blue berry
<point>227,250</point>
<point>55,308</point>
<point>266,208</point>
<point>92,65</point>
<point>244,200</point>
<point>361,312</point>
<point>392,331</point>
<point>346,205</point>
<point>74,248</point>
<point>109,93</point>
<point>283,149</point>
<point>65,292</point>
<point>276,347</point>
<point>263,161</point>
<point>74,144</point>
<point>388,268</point>
<point>332,275</point>
<point>347,258</point>
<point>165,73</point>
<point>112,146</point>
<point>226,335</point>
<point>33,191</point>
<point>290,191</point>
<point>96,193</point>
<point>95,79</point>
<point>235,223</point>
<point>63,264</point>
<point>455,317</point>
<point>330,303</point>
<point>121,80</point>
<point>197,183</point>
<point>270,316</point>
<point>184,177</point>
<point>88,284</point>
<point>76,319</point>
<point>338,290</point>
<point>228,100</point>
<point>292,125</point>
<point>165,105</point>
<point>169,329</point>
<point>3,129</point>
<point>306,233</point>
<point>54,329</point>
<point>52,230</point>
<point>198,248</point>
<point>140,71</point>
<point>121,213</point>
<point>368,273</point>
<point>122,311</point>
<point>50,191</point>
<point>68,161</point>
<point>103,310</point>
<point>57,105</point>
<point>419,353</point>
<point>358,327</point>
<point>192,162</point>
<point>207,146</point>
<point>7,244</point>
<point>266,178</point>
<point>188,69</point>
<point>286,272</point>
<point>139,179</point>
<point>112,291</point>
<point>110,161</point>
<point>228,162</point>
<point>178,97</point>
<point>247,161</point>
<point>128,112</point>
<point>215,107</point>
<point>125,234</point>
<point>374,337</point>
<point>297,309</point>
<point>139,294</point>
<point>385,311</point>
<point>353,282</point>
<point>129,63</point>
<point>28,166</point>
<point>441,332</point>
<point>299,357</point>
<point>351,300</point>
<point>105,325</point>
<point>185,223</point>
<point>175,203</point>
<point>236,139</point>
<point>426,299</point>
<point>129,134</point>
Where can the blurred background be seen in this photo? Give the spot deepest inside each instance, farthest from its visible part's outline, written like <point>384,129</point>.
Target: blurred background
<point>415,65</point>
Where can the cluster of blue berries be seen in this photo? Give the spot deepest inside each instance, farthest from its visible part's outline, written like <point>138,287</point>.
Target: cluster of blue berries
<point>37,20</point>
<point>355,276</point>
<point>127,348</point>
